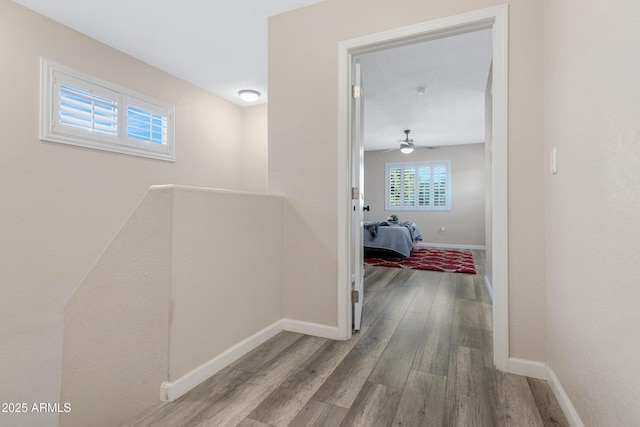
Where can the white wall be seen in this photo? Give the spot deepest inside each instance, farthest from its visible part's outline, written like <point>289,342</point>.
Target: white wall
<point>464,223</point>
<point>592,117</point>
<point>116,323</point>
<point>62,204</point>
<point>303,151</point>
<point>192,274</point>
<point>253,150</point>
<point>227,252</point>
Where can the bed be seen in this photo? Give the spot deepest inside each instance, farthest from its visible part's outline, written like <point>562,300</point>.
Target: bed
<point>395,237</point>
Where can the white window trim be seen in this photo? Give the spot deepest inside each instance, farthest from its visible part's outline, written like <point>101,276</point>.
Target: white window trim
<point>416,165</point>
<point>119,143</point>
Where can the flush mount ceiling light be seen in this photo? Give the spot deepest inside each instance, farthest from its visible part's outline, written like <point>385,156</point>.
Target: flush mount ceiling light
<point>249,95</point>
<point>421,90</point>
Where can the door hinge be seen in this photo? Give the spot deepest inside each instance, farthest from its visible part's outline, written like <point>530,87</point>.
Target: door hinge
<point>355,193</point>
<point>355,296</point>
<point>356,91</point>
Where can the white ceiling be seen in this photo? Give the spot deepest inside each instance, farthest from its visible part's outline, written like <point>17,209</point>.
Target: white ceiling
<point>221,46</point>
<point>218,45</point>
<point>454,71</point>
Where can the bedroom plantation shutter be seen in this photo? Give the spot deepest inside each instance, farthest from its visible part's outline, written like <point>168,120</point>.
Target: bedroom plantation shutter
<point>418,186</point>
<point>409,187</point>
<point>395,186</point>
<point>424,186</point>
<point>439,186</point>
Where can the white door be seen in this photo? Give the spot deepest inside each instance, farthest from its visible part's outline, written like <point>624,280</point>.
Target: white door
<point>357,198</point>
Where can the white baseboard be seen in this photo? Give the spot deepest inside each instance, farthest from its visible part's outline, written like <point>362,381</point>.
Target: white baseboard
<point>563,399</point>
<point>487,284</point>
<point>544,372</point>
<point>314,329</point>
<point>170,391</point>
<point>449,246</point>
<point>528,368</point>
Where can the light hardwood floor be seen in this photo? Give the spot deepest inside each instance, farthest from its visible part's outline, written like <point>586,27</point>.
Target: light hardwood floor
<point>423,358</point>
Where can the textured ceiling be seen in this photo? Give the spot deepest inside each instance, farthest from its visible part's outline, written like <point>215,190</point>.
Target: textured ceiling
<point>453,71</point>
<point>221,46</point>
<point>218,45</point>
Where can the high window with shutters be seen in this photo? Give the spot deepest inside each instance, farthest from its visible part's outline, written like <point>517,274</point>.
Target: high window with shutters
<point>418,186</point>
<point>78,109</point>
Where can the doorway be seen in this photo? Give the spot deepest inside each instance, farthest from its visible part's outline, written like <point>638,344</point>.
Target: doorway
<point>494,18</point>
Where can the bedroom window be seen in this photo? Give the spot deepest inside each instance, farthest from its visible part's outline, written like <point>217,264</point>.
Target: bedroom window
<point>417,186</point>
<point>78,109</point>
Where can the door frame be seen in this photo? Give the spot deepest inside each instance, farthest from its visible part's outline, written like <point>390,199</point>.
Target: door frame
<point>495,17</point>
<point>357,212</point>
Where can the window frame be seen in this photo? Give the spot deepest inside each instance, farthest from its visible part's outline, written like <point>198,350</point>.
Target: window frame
<point>415,166</point>
<point>54,75</point>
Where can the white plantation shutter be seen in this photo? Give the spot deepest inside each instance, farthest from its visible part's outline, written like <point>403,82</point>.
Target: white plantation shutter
<point>78,109</point>
<point>440,183</point>
<point>394,186</point>
<point>147,125</point>
<point>418,186</point>
<point>87,111</point>
<point>409,186</point>
<point>424,186</point>
<point>84,109</point>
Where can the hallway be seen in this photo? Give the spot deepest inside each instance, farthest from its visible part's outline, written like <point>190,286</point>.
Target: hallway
<point>423,358</point>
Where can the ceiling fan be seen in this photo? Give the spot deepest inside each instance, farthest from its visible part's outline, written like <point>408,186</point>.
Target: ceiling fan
<point>406,145</point>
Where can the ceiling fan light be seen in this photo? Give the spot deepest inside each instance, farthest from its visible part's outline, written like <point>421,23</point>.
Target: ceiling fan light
<point>249,95</point>
<point>406,148</point>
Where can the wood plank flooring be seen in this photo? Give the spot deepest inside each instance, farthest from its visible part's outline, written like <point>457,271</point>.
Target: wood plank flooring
<point>422,358</point>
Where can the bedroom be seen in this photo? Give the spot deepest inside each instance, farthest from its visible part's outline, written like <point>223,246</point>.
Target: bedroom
<point>461,227</point>
<point>430,95</point>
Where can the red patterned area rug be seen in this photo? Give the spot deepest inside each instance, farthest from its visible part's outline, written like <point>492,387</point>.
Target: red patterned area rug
<point>429,259</point>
